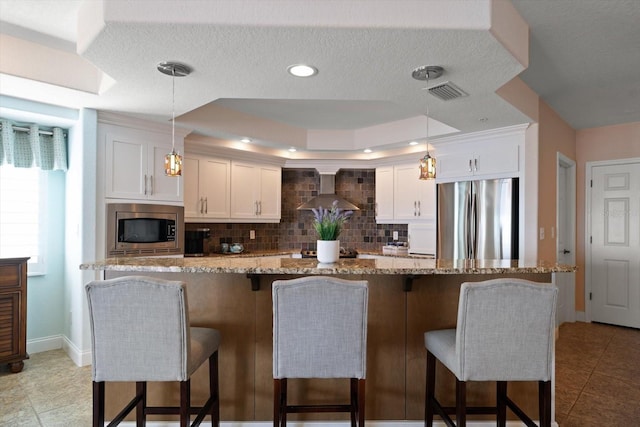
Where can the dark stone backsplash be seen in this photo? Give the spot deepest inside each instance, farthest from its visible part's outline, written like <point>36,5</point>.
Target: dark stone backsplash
<point>295,230</point>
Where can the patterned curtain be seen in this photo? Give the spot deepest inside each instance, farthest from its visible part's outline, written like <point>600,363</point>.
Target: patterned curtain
<point>32,149</point>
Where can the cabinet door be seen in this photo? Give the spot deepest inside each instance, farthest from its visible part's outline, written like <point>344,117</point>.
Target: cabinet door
<point>190,177</point>
<point>405,192</point>
<point>384,194</point>
<point>270,200</point>
<point>496,158</point>
<point>453,165</point>
<point>243,190</point>
<point>427,199</point>
<point>422,237</point>
<point>215,188</point>
<point>126,166</point>
<point>160,186</point>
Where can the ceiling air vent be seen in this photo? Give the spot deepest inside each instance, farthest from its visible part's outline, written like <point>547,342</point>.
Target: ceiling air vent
<point>447,91</point>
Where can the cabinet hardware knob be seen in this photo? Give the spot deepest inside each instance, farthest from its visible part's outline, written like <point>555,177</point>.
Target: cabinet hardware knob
<point>145,185</point>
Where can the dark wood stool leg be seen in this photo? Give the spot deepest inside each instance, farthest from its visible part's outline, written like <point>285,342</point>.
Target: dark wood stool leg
<point>214,389</point>
<point>544,402</point>
<point>98,404</point>
<point>461,403</point>
<point>361,400</point>
<point>185,402</point>
<point>277,400</point>
<point>283,404</point>
<point>141,390</point>
<point>353,392</point>
<point>430,390</point>
<point>501,403</point>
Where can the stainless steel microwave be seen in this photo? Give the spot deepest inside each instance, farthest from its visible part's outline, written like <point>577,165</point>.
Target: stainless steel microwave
<point>137,229</point>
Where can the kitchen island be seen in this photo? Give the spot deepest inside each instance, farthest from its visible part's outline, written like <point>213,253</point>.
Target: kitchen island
<point>407,297</point>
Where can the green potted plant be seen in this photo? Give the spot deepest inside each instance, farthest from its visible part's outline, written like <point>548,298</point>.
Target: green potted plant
<point>328,225</point>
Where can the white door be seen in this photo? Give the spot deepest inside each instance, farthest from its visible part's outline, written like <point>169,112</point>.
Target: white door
<point>615,247</point>
<point>566,237</point>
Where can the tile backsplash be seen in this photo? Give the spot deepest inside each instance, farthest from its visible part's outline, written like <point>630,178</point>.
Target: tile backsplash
<point>295,230</point>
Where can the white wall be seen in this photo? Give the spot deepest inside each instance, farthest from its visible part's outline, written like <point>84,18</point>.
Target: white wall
<point>81,228</point>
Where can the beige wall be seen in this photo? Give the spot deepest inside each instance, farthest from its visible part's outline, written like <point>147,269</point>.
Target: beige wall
<point>555,136</point>
<point>597,144</point>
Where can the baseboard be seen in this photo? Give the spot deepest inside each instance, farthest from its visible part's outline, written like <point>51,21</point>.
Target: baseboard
<point>79,357</point>
<point>327,424</point>
<point>39,345</point>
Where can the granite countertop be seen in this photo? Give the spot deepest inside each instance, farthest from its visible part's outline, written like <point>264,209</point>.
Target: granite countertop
<point>281,263</point>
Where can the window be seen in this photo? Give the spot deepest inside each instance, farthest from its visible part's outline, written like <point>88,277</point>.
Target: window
<point>22,215</point>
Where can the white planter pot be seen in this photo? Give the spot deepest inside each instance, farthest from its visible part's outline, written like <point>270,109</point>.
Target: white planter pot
<point>328,251</point>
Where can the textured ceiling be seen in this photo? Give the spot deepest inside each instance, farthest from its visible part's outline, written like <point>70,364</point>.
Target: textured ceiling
<point>584,57</point>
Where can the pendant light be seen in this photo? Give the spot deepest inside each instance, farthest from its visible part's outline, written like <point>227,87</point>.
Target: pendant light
<point>427,163</point>
<point>173,160</point>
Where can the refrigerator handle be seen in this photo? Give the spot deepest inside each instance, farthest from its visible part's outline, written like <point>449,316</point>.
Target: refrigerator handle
<point>469,231</point>
<point>473,225</point>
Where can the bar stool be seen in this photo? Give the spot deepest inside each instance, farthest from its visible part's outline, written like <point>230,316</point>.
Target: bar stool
<point>505,332</point>
<point>319,331</point>
<point>140,332</point>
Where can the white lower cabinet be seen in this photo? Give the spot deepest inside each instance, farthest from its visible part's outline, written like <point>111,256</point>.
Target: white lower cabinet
<point>207,189</point>
<point>255,191</point>
<point>422,237</point>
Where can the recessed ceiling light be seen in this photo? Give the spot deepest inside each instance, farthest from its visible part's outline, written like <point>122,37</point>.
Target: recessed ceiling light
<point>413,143</point>
<point>367,150</point>
<point>292,150</point>
<point>245,140</point>
<point>302,70</point>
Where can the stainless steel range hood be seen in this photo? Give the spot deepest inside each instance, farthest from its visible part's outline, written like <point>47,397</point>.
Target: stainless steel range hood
<point>327,196</point>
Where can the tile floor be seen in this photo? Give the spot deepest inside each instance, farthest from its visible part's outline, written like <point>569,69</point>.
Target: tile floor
<point>597,383</point>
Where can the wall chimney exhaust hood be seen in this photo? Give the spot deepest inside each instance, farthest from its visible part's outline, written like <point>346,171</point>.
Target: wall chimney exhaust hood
<point>327,196</point>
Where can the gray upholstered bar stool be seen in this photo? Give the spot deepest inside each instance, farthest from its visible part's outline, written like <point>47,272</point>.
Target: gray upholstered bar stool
<point>140,332</point>
<point>319,331</point>
<point>505,332</point>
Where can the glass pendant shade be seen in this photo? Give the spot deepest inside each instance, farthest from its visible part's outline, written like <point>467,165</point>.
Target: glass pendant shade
<point>427,167</point>
<point>173,164</point>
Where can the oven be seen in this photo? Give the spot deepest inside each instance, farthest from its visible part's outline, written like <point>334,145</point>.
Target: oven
<point>138,229</point>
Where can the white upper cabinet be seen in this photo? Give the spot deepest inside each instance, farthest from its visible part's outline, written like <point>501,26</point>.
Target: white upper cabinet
<point>207,188</point>
<point>135,167</point>
<point>482,159</point>
<point>384,194</point>
<point>255,192</point>
<point>401,197</point>
<point>414,199</point>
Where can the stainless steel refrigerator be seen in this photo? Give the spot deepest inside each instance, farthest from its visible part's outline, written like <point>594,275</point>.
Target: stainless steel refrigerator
<point>478,219</point>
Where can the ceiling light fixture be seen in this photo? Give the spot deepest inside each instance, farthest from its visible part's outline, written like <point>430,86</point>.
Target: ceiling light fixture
<point>427,163</point>
<point>173,160</point>
<point>302,70</point>
<point>292,150</point>
<point>245,140</point>
<point>413,143</point>
<point>367,150</point>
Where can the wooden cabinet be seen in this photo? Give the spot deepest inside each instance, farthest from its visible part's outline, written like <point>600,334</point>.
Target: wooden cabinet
<point>207,188</point>
<point>13,312</point>
<point>135,167</point>
<point>482,159</point>
<point>384,194</point>
<point>255,191</point>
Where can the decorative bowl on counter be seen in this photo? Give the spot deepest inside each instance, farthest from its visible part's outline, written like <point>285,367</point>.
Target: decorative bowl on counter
<point>236,248</point>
